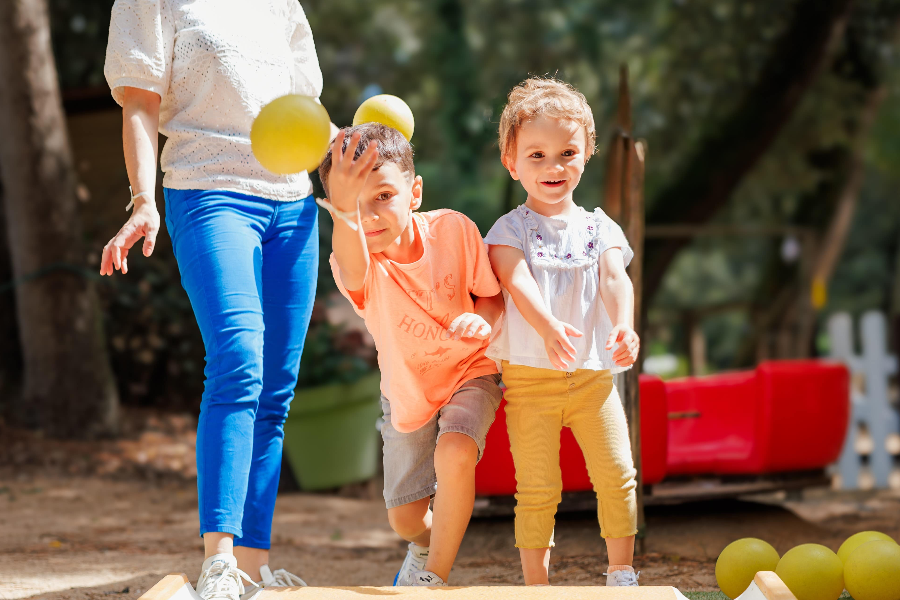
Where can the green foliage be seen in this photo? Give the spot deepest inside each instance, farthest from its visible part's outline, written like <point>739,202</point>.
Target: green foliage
<point>333,355</point>
<point>690,62</point>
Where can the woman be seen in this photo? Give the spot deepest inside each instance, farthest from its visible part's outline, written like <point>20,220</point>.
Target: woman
<point>246,241</point>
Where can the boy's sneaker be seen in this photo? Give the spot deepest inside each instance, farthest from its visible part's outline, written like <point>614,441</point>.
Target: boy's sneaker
<point>622,579</point>
<point>425,579</point>
<point>273,579</point>
<point>415,560</point>
<point>220,579</point>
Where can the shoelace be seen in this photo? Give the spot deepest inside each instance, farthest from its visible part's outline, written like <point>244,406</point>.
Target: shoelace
<point>222,582</point>
<point>283,578</point>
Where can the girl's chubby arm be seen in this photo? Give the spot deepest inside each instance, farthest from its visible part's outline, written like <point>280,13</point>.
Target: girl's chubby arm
<point>617,294</point>
<point>512,271</point>
<point>478,324</point>
<point>345,183</point>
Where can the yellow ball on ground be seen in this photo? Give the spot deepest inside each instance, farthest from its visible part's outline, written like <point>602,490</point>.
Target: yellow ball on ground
<point>812,572</point>
<point>740,561</point>
<point>872,571</point>
<point>291,134</point>
<point>858,539</point>
<point>387,110</point>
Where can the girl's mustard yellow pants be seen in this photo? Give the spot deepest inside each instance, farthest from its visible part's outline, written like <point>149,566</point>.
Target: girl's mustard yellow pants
<point>539,403</point>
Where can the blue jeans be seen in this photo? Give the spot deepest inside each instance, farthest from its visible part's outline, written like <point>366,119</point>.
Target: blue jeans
<point>249,267</point>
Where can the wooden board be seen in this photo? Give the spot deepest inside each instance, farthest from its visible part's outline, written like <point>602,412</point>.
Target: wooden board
<point>766,586</point>
<point>172,587</point>
<point>177,587</point>
<point>472,593</point>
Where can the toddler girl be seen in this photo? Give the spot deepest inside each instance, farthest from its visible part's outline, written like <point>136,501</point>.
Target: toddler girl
<point>567,328</point>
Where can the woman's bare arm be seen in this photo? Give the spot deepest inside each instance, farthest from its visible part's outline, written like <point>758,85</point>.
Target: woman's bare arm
<point>140,141</point>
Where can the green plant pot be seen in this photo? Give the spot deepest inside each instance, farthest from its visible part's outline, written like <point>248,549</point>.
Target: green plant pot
<point>330,437</point>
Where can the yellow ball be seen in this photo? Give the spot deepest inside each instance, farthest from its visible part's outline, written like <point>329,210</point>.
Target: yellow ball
<point>387,110</point>
<point>740,561</point>
<point>812,572</point>
<point>855,541</point>
<point>291,134</point>
<point>872,571</point>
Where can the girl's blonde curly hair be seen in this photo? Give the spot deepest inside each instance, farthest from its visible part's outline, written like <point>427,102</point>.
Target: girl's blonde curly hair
<point>550,97</point>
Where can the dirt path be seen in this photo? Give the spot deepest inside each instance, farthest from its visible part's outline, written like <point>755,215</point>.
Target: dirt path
<point>91,537</point>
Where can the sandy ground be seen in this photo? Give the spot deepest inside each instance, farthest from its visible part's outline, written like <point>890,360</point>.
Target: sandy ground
<point>93,537</point>
<point>106,520</point>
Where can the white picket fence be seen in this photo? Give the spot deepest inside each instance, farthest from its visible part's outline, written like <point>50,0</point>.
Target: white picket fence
<point>871,407</point>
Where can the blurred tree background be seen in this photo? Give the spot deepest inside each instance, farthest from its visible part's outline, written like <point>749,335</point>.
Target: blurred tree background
<point>756,113</point>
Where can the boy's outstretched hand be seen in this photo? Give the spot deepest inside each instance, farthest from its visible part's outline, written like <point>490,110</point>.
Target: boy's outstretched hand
<point>629,345</point>
<point>469,325</point>
<point>559,349</point>
<point>348,176</point>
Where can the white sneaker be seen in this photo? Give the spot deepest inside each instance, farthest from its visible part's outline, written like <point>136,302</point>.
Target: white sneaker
<point>220,579</point>
<point>415,560</point>
<point>425,579</point>
<point>622,579</point>
<point>279,578</point>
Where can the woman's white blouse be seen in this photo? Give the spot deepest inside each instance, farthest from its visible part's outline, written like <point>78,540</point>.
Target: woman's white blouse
<point>563,254</point>
<point>214,63</point>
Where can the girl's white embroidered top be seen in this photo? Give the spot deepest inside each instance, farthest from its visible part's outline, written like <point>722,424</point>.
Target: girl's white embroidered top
<point>563,255</point>
<point>215,64</point>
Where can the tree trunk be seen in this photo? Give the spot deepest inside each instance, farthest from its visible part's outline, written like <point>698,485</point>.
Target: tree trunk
<point>68,383</point>
<point>784,315</point>
<point>732,149</point>
<point>10,354</point>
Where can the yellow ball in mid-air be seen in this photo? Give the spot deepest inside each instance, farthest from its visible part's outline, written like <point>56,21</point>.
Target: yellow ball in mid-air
<point>291,134</point>
<point>858,539</point>
<point>387,110</point>
<point>740,561</point>
<point>812,572</point>
<point>872,571</point>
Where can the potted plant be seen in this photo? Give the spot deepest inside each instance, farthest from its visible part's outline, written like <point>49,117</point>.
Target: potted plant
<point>331,436</point>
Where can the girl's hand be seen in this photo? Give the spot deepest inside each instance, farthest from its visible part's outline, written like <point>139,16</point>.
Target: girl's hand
<point>143,223</point>
<point>559,349</point>
<point>629,345</point>
<point>469,325</point>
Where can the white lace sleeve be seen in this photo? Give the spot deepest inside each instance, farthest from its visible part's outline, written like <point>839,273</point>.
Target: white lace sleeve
<point>307,74</point>
<point>139,51</point>
<point>610,235</point>
<point>509,230</point>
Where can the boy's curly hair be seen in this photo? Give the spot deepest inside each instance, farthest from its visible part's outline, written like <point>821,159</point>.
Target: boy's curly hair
<point>549,97</point>
<point>392,147</point>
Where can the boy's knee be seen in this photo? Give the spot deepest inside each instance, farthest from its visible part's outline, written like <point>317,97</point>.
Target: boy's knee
<point>408,520</point>
<point>455,452</point>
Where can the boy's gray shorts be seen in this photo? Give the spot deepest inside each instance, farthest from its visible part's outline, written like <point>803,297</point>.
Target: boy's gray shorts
<point>409,457</point>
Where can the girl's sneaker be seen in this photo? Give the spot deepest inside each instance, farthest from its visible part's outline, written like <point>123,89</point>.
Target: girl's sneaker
<point>425,579</point>
<point>273,579</point>
<point>220,579</point>
<point>415,560</point>
<point>622,579</point>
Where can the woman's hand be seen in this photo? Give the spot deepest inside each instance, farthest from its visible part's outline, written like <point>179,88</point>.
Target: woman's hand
<point>143,223</point>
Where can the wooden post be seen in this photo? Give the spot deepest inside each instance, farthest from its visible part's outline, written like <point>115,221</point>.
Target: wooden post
<point>624,202</point>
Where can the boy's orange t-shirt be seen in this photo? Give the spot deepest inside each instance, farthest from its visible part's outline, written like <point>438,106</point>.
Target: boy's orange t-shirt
<point>408,307</point>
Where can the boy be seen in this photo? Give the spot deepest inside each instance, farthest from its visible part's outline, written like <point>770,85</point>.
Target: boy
<point>424,285</point>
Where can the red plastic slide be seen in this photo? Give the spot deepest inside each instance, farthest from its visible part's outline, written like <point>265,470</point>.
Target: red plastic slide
<point>784,416</point>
